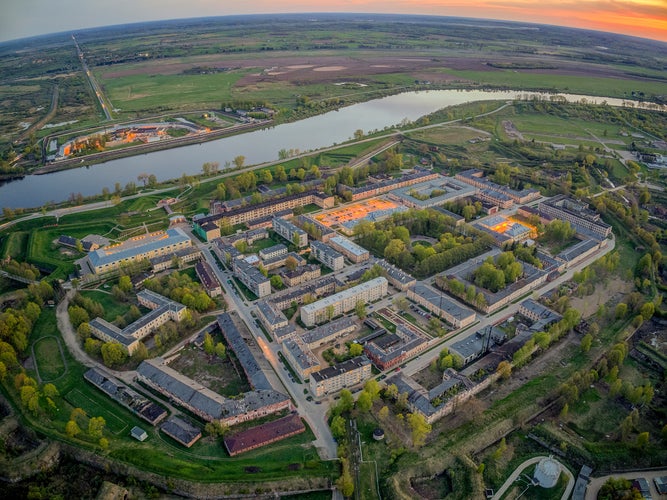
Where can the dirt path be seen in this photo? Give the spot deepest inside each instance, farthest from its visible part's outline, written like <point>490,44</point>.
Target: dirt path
<point>72,342</point>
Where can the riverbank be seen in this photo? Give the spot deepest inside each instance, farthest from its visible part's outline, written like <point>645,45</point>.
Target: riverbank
<point>104,156</point>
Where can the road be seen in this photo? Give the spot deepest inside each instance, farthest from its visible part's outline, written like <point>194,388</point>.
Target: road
<point>513,477</point>
<point>596,483</point>
<point>314,414</point>
<point>422,361</point>
<point>93,82</point>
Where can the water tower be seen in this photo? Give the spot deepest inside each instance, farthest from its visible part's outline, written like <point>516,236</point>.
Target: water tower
<point>547,472</point>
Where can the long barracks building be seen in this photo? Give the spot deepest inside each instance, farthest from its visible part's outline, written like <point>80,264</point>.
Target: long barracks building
<point>144,247</point>
<point>243,214</point>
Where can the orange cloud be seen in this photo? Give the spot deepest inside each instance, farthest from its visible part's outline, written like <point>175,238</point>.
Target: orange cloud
<point>644,18</point>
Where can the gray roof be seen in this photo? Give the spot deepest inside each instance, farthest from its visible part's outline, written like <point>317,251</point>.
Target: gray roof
<point>272,314</point>
<point>348,245</point>
<point>395,273</point>
<point>180,430</point>
<point>328,329</point>
<point>441,301</point>
<point>340,368</point>
<point>273,249</point>
<point>300,353</point>
<point>130,250</point>
<point>243,353</point>
<point>575,251</point>
<point>453,190</point>
<point>182,388</point>
<point>350,292</point>
<point>325,249</point>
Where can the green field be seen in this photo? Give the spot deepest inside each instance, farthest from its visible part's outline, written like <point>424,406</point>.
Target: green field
<point>112,307</point>
<point>50,362</point>
<point>154,92</point>
<point>95,408</point>
<point>595,86</point>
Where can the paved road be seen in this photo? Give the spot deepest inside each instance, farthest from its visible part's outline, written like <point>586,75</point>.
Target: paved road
<point>596,483</point>
<point>510,480</point>
<point>422,361</point>
<point>310,411</point>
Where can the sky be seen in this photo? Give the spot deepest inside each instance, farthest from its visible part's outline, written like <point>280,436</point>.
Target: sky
<point>643,18</point>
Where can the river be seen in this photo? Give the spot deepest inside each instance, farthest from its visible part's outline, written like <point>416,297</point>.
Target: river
<point>259,146</point>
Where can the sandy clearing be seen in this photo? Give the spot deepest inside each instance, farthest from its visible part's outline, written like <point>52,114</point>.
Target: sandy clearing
<point>330,68</point>
<point>301,66</point>
<point>589,305</point>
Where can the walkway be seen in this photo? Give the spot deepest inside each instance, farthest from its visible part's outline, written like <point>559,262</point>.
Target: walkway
<point>510,480</point>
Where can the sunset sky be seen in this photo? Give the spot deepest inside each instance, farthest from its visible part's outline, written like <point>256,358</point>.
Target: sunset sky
<point>644,18</point>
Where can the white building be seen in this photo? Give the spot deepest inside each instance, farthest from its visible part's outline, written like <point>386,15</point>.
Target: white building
<point>342,302</point>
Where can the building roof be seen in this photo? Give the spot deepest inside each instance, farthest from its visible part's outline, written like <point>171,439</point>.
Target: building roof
<point>206,275</point>
<point>67,240</point>
<point>263,434</point>
<point>350,292</point>
<point>395,273</point>
<point>440,301</point>
<point>243,353</point>
<point>348,245</point>
<point>266,252</point>
<point>182,388</point>
<point>329,329</point>
<point>135,246</point>
<point>325,249</point>
<point>300,354</point>
<point>575,251</point>
<point>451,188</point>
<point>341,368</point>
<point>273,315</point>
<point>180,430</point>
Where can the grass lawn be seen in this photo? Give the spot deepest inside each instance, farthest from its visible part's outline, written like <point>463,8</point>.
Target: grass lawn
<point>50,362</point>
<point>95,408</point>
<point>367,481</point>
<point>15,245</point>
<point>112,307</point>
<point>445,135</point>
<point>516,79</point>
<point>146,92</point>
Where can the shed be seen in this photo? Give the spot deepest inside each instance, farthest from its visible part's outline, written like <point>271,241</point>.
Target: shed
<point>138,433</point>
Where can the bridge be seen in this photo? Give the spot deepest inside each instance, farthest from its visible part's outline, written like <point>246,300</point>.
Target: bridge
<point>17,278</point>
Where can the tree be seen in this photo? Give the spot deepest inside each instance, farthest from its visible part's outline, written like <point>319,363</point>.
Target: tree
<point>208,346</point>
<point>330,312</point>
<point>373,388</point>
<point>586,342</point>
<point>356,349</point>
<point>345,482</point>
<point>239,161</point>
<point>291,263</point>
<point>565,410</point>
<point>642,440</point>
<point>50,391</point>
<point>504,369</point>
<point>383,413</point>
<point>113,354</point>
<point>125,284</point>
<point>96,427</point>
<point>220,350</point>
<point>72,428</point>
<point>276,281</point>
<point>346,401</point>
<point>338,427</point>
<point>621,310</point>
<point>104,443</point>
<point>420,428</point>
<point>360,309</point>
<point>364,401</point>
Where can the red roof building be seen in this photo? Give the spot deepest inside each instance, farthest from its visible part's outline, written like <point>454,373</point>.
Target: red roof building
<point>264,434</point>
